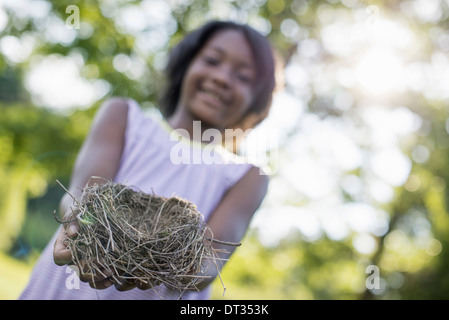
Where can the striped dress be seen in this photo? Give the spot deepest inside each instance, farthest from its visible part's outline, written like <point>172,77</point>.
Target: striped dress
<point>154,159</point>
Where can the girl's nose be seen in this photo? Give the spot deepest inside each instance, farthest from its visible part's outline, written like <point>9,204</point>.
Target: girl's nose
<point>222,76</point>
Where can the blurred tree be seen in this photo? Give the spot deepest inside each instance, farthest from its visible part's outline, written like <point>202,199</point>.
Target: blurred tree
<point>420,219</point>
<point>38,146</point>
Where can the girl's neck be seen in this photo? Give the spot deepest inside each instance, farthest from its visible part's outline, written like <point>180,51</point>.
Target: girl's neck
<point>195,128</point>
<point>195,131</point>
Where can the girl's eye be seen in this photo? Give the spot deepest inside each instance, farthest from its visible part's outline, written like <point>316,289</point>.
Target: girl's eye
<point>244,78</point>
<point>211,60</point>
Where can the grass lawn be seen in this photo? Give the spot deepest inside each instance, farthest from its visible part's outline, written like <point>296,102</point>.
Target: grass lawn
<point>14,276</point>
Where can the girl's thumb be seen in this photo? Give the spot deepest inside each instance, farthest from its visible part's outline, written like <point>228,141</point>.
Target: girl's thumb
<point>72,230</point>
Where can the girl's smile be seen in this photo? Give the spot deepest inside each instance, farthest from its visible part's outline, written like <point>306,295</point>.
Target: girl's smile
<point>213,98</point>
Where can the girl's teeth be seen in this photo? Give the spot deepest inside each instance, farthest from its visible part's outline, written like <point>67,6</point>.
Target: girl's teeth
<point>212,94</point>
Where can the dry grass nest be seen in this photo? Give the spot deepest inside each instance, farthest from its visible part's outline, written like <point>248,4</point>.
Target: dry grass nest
<point>140,237</point>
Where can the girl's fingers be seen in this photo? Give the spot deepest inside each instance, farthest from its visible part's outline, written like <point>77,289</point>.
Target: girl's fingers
<point>102,284</point>
<point>144,286</point>
<point>93,272</point>
<point>72,229</point>
<point>125,286</point>
<point>61,254</point>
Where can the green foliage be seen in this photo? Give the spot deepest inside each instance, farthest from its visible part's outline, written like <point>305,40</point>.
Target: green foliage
<point>38,146</point>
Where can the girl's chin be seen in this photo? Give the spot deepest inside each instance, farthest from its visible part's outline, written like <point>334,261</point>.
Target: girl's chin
<point>207,115</point>
<point>208,121</point>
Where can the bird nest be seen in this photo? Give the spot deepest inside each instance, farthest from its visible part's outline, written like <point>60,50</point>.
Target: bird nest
<point>140,237</point>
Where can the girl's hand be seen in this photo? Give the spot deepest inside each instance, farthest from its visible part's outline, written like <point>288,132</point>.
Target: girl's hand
<point>62,255</point>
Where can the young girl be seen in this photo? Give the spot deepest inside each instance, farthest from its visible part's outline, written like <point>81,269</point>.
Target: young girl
<point>221,75</point>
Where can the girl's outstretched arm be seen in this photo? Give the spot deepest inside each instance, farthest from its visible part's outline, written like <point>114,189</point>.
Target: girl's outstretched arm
<point>230,220</point>
<point>99,156</point>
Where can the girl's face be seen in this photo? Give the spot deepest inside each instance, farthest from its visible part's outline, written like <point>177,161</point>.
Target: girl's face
<point>218,85</point>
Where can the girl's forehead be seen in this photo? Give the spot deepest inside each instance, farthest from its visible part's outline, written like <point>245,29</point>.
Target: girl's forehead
<point>231,43</point>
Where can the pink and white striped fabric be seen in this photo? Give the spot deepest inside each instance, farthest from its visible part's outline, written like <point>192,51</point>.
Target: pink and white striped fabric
<point>152,161</point>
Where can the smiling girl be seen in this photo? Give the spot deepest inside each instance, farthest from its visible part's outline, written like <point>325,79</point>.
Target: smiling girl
<point>222,75</point>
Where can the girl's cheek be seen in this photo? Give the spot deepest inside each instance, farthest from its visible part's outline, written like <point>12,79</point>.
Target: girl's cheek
<point>249,98</point>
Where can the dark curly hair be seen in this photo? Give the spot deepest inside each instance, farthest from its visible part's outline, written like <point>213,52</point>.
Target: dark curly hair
<point>185,51</point>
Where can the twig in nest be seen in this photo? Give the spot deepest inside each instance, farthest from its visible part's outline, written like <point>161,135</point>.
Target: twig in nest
<point>63,221</point>
<point>233,244</point>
